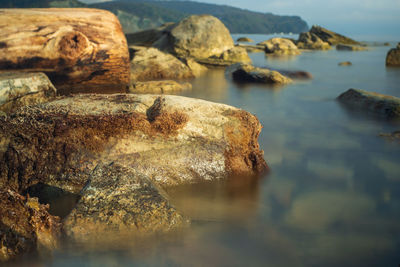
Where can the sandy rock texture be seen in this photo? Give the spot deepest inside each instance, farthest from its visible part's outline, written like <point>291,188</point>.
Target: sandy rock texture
<point>21,89</point>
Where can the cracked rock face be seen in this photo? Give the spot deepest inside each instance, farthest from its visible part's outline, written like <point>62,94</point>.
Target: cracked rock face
<point>21,89</point>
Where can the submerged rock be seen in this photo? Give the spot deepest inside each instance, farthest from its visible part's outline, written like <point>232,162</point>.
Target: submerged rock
<point>331,37</point>
<point>345,63</point>
<point>151,64</point>
<point>20,89</point>
<point>393,56</point>
<point>248,73</point>
<point>384,105</point>
<point>25,226</point>
<point>245,40</point>
<point>159,87</point>
<point>171,139</point>
<point>118,200</point>
<point>280,46</point>
<point>308,40</point>
<point>344,47</point>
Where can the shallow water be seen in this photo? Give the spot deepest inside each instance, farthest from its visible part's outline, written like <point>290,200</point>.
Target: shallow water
<point>333,194</point>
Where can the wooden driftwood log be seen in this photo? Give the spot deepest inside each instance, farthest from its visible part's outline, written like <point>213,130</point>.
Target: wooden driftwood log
<point>81,50</point>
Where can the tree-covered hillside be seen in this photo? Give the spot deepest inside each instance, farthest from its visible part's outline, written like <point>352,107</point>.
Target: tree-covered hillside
<point>39,3</point>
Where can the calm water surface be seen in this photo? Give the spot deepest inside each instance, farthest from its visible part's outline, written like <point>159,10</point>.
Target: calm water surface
<point>332,197</point>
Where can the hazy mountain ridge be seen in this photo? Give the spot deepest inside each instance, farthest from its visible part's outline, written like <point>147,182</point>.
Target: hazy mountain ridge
<point>136,15</point>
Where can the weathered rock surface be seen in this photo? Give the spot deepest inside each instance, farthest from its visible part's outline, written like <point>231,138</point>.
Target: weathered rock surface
<point>345,63</point>
<point>252,48</point>
<point>118,200</point>
<point>80,51</point>
<point>171,139</point>
<point>308,40</point>
<point>249,74</point>
<point>299,74</point>
<point>394,136</point>
<point>235,55</point>
<point>25,226</point>
<point>21,89</point>
<point>151,64</point>
<point>245,40</point>
<point>197,36</point>
<point>196,68</point>
<point>150,36</point>
<point>393,56</point>
<point>159,87</point>
<point>331,37</point>
<point>344,47</point>
<point>384,105</point>
<point>280,46</point>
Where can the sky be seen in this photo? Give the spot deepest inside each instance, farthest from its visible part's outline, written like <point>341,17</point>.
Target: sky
<point>352,17</point>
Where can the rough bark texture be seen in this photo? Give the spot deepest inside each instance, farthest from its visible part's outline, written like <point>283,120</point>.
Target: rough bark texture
<point>171,139</point>
<point>81,50</point>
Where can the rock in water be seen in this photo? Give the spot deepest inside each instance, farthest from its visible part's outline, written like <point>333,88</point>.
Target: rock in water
<point>171,139</point>
<point>280,46</point>
<point>345,63</point>
<point>80,51</point>
<point>117,201</point>
<point>197,36</point>
<point>343,47</point>
<point>21,89</point>
<point>249,74</point>
<point>308,40</point>
<point>25,226</point>
<point>387,106</point>
<point>393,56</point>
<point>245,40</point>
<point>151,64</point>
<point>331,37</point>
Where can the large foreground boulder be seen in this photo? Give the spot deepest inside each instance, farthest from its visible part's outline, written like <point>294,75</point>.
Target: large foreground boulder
<point>171,139</point>
<point>246,73</point>
<point>384,105</point>
<point>151,64</point>
<point>309,40</point>
<point>393,56</point>
<point>21,89</point>
<point>331,37</point>
<point>118,201</point>
<point>80,51</point>
<point>280,46</point>
<point>25,226</point>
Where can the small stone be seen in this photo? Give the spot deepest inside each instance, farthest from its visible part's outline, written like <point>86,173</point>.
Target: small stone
<point>345,63</point>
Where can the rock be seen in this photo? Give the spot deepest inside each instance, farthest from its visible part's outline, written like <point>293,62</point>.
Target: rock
<point>248,73</point>
<point>395,136</point>
<point>171,139</point>
<point>252,48</point>
<point>236,55</point>
<point>159,87</point>
<point>331,37</point>
<point>25,226</point>
<point>384,105</point>
<point>386,44</point>
<point>118,201</point>
<point>345,63</point>
<point>80,51</point>
<point>343,47</point>
<point>21,89</point>
<point>393,56</point>
<point>197,36</point>
<point>148,37</point>
<point>280,46</point>
<point>301,75</point>
<point>151,64</point>
<point>308,40</point>
<point>196,68</point>
<point>245,40</point>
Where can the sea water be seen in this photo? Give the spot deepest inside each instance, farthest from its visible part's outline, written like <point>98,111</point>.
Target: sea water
<point>332,197</point>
